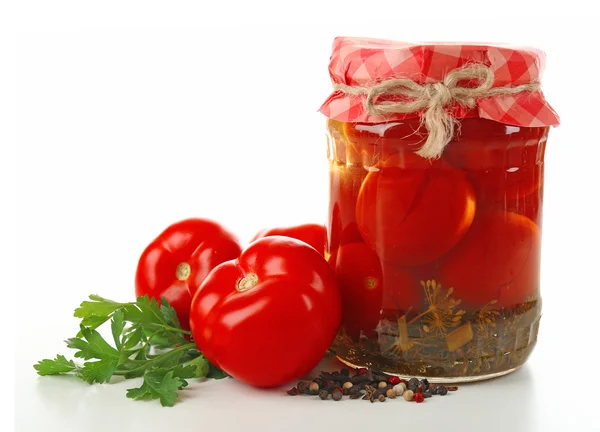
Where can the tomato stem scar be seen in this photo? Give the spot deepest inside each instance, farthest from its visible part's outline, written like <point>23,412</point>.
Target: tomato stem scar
<point>183,270</point>
<point>247,282</point>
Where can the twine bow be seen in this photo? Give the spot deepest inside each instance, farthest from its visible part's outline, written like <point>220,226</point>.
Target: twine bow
<point>434,99</point>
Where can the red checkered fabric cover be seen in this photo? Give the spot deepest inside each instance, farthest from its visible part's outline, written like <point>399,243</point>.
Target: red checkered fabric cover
<point>363,62</point>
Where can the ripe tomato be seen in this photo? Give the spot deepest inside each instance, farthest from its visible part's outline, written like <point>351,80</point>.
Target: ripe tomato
<point>414,213</point>
<point>313,234</point>
<point>360,280</point>
<point>179,259</point>
<point>498,259</point>
<point>269,316</point>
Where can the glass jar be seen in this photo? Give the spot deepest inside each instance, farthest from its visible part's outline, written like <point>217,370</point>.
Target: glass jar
<point>437,258</point>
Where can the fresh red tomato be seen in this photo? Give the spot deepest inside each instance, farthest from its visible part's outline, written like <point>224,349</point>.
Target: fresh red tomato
<point>178,260</point>
<point>268,317</point>
<point>415,212</point>
<point>498,259</point>
<point>358,272</point>
<point>312,234</point>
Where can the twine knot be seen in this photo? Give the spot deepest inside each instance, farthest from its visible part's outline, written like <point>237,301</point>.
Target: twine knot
<point>433,99</point>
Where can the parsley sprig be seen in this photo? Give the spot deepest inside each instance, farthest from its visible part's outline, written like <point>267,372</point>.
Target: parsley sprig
<point>148,342</point>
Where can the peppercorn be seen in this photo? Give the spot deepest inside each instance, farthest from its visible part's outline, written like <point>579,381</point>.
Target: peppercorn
<point>413,384</point>
<point>347,385</point>
<point>302,386</point>
<point>357,395</point>
<point>336,394</point>
<point>353,390</point>
<point>381,398</point>
<point>390,393</point>
<point>313,387</point>
<point>399,389</point>
<point>393,380</point>
<point>361,371</point>
<point>425,383</point>
<point>323,394</point>
<point>420,389</point>
<point>382,384</point>
<point>335,373</point>
<point>330,385</point>
<point>441,390</point>
<point>293,391</point>
<point>319,381</point>
<point>408,395</point>
<point>426,394</point>
<point>419,397</point>
<point>345,372</point>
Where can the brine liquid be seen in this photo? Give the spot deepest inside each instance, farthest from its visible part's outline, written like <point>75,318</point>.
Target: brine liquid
<point>437,260</point>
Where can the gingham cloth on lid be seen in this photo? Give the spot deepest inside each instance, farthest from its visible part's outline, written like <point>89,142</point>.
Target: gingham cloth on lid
<point>363,62</point>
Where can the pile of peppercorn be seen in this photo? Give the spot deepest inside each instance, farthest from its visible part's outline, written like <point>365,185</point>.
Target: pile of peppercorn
<point>368,384</point>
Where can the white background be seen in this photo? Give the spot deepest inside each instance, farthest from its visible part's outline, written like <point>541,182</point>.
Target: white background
<point>128,116</point>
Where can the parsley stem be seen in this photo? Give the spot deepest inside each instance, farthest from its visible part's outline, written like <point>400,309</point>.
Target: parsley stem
<point>175,329</point>
<point>149,363</point>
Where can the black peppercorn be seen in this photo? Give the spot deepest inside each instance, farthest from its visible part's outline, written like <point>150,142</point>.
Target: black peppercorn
<point>425,383</point>
<point>441,390</point>
<point>319,381</point>
<point>345,372</point>
<point>413,384</point>
<point>323,394</point>
<point>426,394</point>
<point>336,394</point>
<point>356,395</point>
<point>303,387</point>
<point>381,398</point>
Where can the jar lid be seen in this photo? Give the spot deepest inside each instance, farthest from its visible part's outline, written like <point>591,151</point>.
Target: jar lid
<point>379,80</point>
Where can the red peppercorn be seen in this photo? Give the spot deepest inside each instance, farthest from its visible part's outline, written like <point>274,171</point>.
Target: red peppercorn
<point>393,380</point>
<point>418,397</point>
<point>361,371</point>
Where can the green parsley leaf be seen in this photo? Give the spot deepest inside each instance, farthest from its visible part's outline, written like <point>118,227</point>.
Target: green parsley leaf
<point>94,346</point>
<point>158,385</point>
<point>60,365</point>
<point>96,312</point>
<point>145,311</point>
<point>201,366</point>
<point>100,371</point>
<point>169,313</point>
<point>148,342</point>
<point>117,325</point>
<point>216,373</point>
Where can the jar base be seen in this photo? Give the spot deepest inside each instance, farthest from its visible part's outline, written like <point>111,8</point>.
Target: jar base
<point>439,380</point>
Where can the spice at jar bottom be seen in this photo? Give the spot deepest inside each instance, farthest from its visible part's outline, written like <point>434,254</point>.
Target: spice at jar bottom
<point>368,384</point>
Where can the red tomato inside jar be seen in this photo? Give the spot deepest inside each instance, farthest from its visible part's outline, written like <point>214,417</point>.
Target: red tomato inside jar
<point>436,184</point>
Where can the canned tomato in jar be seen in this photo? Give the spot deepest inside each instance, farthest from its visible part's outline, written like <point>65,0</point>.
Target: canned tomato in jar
<point>436,155</point>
